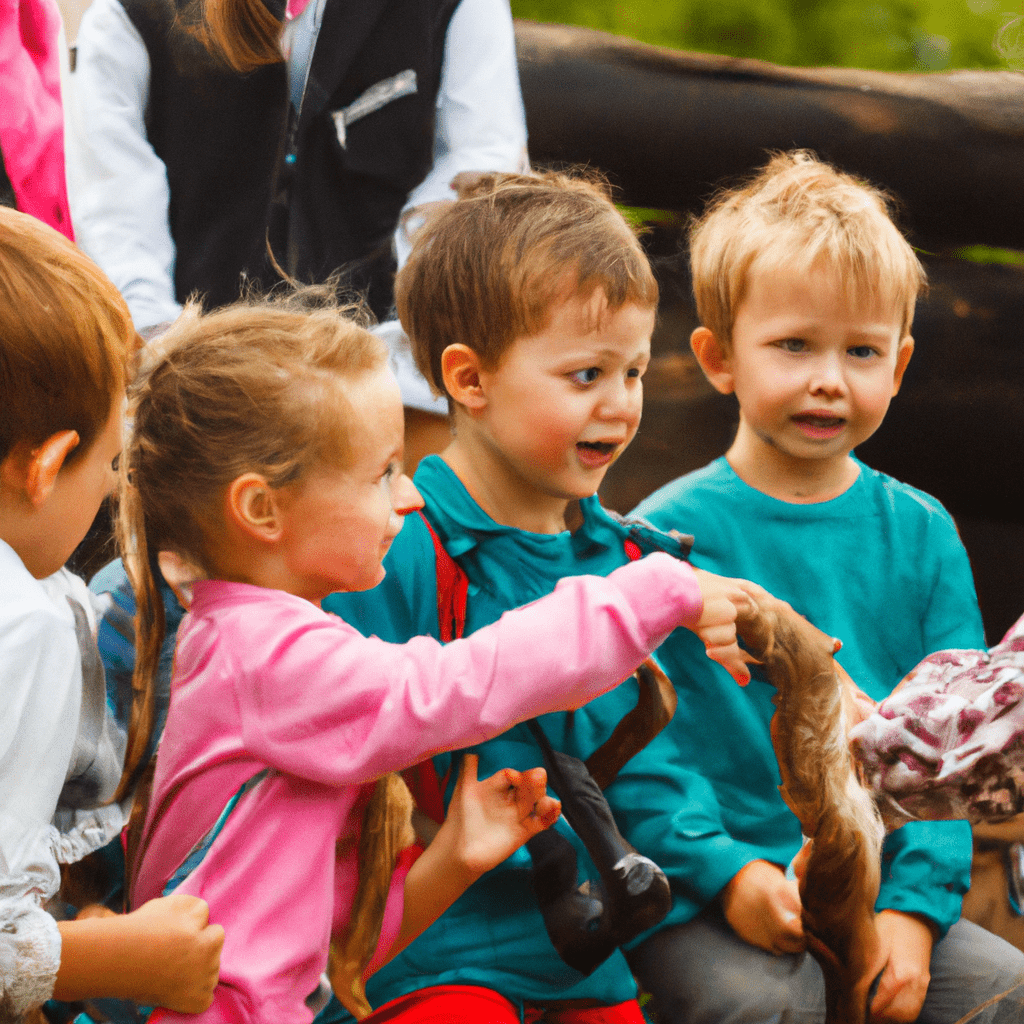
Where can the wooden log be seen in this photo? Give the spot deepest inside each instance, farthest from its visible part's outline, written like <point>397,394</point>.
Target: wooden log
<point>669,126</point>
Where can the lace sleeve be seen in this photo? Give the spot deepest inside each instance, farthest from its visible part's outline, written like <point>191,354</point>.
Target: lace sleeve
<point>29,957</point>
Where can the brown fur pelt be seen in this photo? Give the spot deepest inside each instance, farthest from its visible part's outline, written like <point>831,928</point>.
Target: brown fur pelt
<point>821,786</point>
<point>386,831</point>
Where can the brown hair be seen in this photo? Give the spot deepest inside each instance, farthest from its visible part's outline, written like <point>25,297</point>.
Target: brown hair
<point>66,338</point>
<point>489,268</point>
<point>798,212</point>
<point>244,34</point>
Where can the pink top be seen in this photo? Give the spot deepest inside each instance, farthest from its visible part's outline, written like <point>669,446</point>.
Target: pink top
<point>265,679</point>
<point>32,124</point>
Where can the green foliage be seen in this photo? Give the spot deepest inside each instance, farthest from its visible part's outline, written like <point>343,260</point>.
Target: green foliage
<point>990,254</point>
<point>889,35</point>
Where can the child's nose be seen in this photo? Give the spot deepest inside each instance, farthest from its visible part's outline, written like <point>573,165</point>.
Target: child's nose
<point>828,375</point>
<point>404,496</point>
<point>623,399</point>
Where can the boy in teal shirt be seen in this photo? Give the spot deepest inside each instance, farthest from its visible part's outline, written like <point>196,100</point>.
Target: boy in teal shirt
<point>806,292</point>
<point>531,304</point>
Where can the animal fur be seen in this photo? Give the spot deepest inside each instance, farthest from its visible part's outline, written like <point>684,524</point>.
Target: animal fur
<point>821,786</point>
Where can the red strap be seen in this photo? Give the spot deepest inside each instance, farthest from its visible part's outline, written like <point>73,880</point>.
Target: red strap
<point>452,590</point>
<point>632,549</point>
<point>426,789</point>
<point>452,593</point>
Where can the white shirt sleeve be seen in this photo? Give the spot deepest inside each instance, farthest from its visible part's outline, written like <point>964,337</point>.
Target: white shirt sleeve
<point>117,184</point>
<point>481,124</point>
<point>40,694</point>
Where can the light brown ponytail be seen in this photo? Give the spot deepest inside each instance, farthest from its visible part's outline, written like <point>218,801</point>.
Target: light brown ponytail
<point>242,33</point>
<point>150,627</point>
<point>386,831</point>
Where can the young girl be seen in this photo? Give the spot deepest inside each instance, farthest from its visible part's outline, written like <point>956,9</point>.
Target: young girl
<point>266,449</point>
<point>65,343</point>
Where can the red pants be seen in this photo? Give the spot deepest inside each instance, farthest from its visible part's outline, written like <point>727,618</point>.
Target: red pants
<point>467,1004</point>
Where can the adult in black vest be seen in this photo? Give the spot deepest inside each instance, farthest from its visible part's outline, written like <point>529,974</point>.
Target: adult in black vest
<point>182,169</point>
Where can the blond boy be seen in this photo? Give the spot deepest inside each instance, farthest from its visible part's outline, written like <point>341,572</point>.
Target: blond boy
<point>806,291</point>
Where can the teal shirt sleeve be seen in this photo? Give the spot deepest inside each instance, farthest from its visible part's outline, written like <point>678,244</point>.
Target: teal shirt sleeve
<point>670,814</point>
<point>926,866</point>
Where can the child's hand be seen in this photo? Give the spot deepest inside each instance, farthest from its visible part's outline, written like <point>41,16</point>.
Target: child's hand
<point>489,820</point>
<point>907,949</point>
<point>91,910</point>
<point>723,597</point>
<point>763,908</point>
<point>178,953</point>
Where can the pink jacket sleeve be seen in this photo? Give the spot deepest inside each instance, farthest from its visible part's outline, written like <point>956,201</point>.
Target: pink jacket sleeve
<point>32,128</point>
<point>321,701</point>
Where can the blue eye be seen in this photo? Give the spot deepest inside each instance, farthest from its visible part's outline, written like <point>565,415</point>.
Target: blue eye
<point>634,371</point>
<point>115,464</point>
<point>862,351</point>
<point>792,344</point>
<point>587,376</point>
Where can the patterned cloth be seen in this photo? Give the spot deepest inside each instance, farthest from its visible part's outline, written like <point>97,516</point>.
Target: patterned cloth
<point>949,741</point>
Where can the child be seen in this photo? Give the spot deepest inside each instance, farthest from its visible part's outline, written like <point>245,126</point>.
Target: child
<point>806,292</point>
<point>530,304</point>
<point>65,344</point>
<point>266,450</point>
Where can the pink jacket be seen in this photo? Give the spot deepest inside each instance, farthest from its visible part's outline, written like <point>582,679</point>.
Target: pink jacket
<point>32,124</point>
<point>264,679</point>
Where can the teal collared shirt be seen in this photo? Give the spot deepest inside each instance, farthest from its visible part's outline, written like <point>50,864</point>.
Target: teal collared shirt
<point>494,935</point>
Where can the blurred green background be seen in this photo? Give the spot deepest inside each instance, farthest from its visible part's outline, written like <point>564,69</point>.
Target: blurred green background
<point>895,35</point>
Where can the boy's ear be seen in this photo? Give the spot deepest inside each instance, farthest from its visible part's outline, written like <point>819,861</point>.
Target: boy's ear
<point>713,361</point>
<point>251,506</point>
<point>903,354</point>
<point>35,470</point>
<point>460,370</point>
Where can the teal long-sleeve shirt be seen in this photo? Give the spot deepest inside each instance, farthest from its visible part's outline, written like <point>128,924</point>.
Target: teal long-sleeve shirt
<point>882,568</point>
<point>494,935</point>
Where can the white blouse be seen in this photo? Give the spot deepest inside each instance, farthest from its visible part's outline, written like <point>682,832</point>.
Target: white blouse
<point>60,760</point>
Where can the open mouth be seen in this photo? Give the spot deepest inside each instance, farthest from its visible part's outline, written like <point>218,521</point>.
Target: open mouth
<point>820,426</point>
<point>596,453</point>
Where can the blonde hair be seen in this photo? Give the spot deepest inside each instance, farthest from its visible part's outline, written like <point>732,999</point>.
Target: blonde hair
<point>66,338</point>
<point>255,386</point>
<point>489,268</point>
<point>800,213</point>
